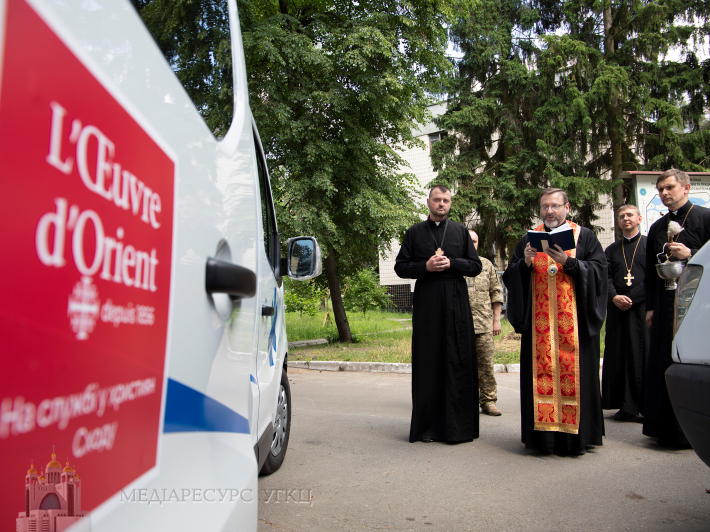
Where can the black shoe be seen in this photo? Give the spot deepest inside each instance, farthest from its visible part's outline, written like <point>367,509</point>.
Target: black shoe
<point>427,440</point>
<point>623,416</point>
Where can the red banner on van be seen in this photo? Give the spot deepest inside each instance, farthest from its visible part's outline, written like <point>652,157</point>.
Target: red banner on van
<point>86,207</point>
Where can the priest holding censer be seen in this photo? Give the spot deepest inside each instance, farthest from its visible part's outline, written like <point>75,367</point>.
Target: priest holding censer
<point>677,236</point>
<point>438,253</point>
<point>627,337</point>
<point>557,302</point>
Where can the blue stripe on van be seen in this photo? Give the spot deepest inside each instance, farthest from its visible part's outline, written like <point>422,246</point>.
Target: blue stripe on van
<point>187,410</point>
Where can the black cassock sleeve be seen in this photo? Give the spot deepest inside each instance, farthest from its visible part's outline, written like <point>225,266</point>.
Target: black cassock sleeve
<point>591,275</point>
<point>651,277</point>
<point>610,279</point>
<point>516,279</point>
<point>591,283</point>
<point>469,264</point>
<point>405,265</point>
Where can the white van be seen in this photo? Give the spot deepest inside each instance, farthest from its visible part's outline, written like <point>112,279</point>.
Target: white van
<point>688,378</point>
<point>141,304</point>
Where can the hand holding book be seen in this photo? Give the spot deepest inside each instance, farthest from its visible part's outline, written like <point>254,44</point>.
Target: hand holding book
<point>562,236</point>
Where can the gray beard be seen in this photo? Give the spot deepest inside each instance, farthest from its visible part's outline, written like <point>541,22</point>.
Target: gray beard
<point>563,222</point>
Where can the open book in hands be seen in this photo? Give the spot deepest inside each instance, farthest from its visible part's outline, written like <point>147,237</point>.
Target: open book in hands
<point>562,236</point>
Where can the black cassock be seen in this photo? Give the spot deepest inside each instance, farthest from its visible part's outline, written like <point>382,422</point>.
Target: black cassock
<point>444,367</point>
<point>627,336</point>
<point>659,419</point>
<point>590,285</point>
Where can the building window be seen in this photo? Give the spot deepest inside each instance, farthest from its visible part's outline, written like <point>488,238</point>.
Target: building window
<point>436,137</point>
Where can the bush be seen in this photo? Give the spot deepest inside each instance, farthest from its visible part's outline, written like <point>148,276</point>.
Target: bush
<point>363,292</point>
<point>302,296</point>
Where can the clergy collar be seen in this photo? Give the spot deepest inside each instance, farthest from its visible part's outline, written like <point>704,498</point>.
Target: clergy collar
<point>554,228</point>
<point>631,239</point>
<point>438,224</point>
<point>683,210</point>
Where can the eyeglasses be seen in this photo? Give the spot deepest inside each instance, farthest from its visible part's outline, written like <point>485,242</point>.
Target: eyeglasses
<point>544,208</point>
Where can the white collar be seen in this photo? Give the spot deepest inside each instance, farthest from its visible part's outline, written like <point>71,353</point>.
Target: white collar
<point>555,228</point>
<point>632,237</point>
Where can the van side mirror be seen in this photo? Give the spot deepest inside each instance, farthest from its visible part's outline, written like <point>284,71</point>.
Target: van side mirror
<point>303,261</point>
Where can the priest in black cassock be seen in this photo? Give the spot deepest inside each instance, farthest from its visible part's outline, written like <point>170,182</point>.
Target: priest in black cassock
<point>627,337</point>
<point>438,253</point>
<point>557,302</point>
<point>673,188</point>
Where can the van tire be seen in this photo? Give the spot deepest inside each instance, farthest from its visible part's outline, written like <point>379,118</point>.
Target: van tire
<point>282,429</point>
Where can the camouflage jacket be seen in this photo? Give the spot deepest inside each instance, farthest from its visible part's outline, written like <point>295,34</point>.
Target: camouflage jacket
<point>483,291</point>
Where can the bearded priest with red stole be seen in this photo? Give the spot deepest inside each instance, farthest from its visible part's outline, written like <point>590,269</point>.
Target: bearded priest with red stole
<point>557,302</point>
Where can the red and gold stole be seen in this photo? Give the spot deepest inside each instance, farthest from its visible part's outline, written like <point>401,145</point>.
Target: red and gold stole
<point>555,346</point>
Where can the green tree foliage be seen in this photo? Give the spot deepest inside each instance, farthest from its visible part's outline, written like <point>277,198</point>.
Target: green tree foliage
<point>363,292</point>
<point>302,296</point>
<point>333,86</point>
<point>490,155</point>
<point>570,94</point>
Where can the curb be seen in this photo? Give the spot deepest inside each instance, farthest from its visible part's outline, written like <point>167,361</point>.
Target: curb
<point>326,365</point>
<point>303,343</point>
<point>375,367</point>
<point>379,367</point>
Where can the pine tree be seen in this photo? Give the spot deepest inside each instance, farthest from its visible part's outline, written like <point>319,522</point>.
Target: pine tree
<point>569,94</point>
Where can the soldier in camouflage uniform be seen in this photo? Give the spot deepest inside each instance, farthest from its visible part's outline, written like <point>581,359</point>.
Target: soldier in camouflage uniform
<point>486,297</point>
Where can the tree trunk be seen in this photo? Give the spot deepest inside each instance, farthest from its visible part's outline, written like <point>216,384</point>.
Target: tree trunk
<point>341,319</point>
<point>608,36</point>
<point>616,159</point>
<point>613,126</point>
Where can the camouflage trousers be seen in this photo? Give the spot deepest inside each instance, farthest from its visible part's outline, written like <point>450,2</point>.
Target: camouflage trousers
<point>488,389</point>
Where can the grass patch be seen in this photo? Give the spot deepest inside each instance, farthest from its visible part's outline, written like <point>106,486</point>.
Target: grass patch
<point>382,347</point>
<point>602,337</point>
<point>507,345</point>
<point>375,345</point>
<point>310,327</point>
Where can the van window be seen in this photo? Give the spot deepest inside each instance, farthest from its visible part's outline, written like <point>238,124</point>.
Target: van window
<point>195,41</point>
<point>268,218</point>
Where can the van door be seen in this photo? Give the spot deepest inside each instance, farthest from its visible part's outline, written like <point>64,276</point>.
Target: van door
<point>122,373</point>
<point>269,360</point>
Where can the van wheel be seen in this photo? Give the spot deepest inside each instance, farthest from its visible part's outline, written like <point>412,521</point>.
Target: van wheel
<point>282,429</point>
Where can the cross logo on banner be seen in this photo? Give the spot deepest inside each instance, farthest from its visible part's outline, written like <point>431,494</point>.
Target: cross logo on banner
<point>83,308</point>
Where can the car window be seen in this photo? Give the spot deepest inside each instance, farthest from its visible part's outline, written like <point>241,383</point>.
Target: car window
<point>195,41</point>
<point>268,218</point>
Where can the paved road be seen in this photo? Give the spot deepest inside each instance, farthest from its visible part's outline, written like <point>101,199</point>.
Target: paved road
<point>350,467</point>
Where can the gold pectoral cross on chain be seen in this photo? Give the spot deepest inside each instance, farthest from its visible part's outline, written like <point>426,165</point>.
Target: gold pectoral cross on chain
<point>628,278</point>
<point>439,251</point>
